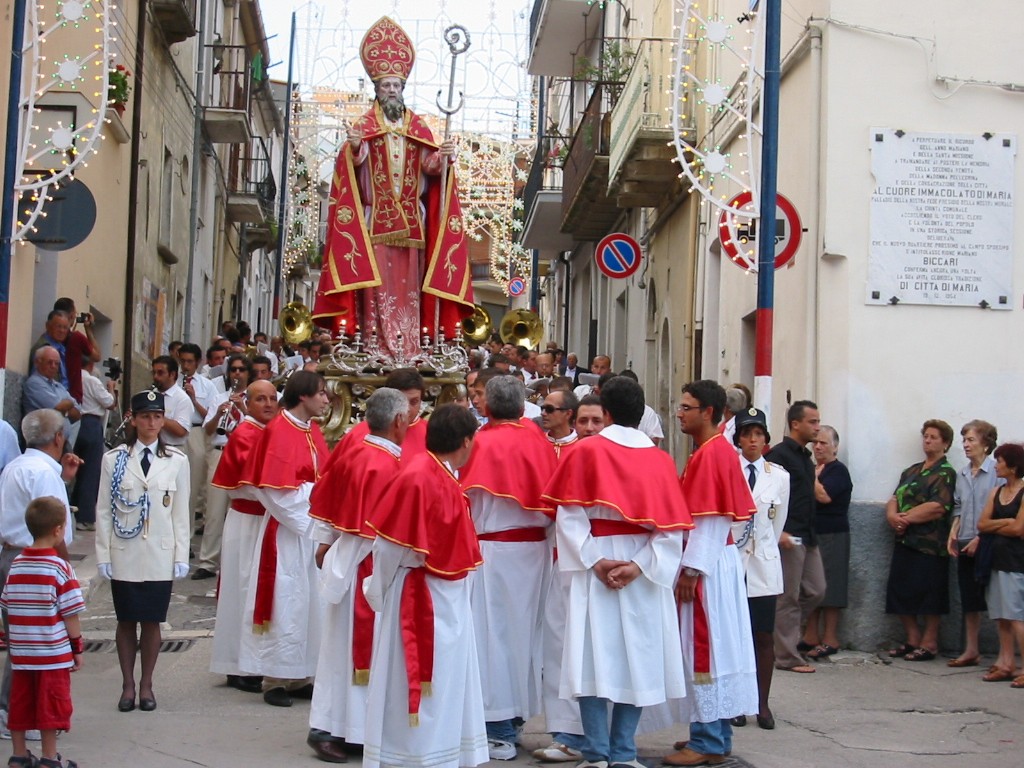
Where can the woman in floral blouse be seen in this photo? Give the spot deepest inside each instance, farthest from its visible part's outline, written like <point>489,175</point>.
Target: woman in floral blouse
<point>919,513</point>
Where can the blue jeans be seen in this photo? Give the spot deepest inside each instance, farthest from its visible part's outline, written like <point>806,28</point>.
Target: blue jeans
<point>504,730</point>
<point>713,738</point>
<point>615,743</point>
<point>571,740</point>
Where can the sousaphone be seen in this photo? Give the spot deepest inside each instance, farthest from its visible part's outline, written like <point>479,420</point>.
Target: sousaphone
<point>477,327</point>
<point>521,328</point>
<point>296,323</point>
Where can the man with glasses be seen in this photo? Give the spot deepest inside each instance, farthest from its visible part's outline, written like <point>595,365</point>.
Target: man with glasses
<point>558,414</point>
<point>226,411</point>
<point>43,390</point>
<point>718,650</point>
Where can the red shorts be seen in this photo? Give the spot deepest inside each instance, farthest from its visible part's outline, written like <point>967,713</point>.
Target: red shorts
<point>40,700</point>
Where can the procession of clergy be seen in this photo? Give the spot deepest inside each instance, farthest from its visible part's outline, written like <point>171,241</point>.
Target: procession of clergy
<point>444,581</point>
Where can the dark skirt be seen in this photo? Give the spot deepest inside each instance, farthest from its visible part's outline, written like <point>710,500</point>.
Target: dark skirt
<point>835,558</point>
<point>762,613</point>
<point>918,583</point>
<point>972,593</point>
<point>141,600</point>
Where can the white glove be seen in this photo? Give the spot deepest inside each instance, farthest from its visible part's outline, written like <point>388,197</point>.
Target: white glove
<point>180,570</point>
<point>105,570</point>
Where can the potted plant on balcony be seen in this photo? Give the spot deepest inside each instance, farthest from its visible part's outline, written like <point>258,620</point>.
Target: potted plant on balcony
<point>611,70</point>
<point>118,88</point>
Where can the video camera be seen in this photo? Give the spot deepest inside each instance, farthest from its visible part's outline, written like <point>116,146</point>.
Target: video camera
<point>114,369</point>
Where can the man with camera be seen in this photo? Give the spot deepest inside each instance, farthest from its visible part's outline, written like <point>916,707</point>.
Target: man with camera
<point>72,345</point>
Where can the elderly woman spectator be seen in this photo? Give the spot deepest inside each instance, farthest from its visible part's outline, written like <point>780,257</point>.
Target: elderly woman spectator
<point>974,484</point>
<point>1003,517</point>
<point>919,513</point>
<point>832,490</point>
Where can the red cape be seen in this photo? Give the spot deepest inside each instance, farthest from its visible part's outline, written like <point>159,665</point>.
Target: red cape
<point>414,444</point>
<point>350,261</point>
<point>513,461</point>
<point>713,483</point>
<point>424,509</point>
<point>233,459</point>
<point>286,455</point>
<point>639,483</point>
<point>349,491</point>
<point>563,449</point>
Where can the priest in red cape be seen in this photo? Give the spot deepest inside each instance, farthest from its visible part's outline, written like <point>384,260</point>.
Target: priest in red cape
<point>396,242</point>
<point>281,628</point>
<point>504,480</point>
<point>342,502</point>
<point>714,619</point>
<point>620,520</point>
<point>241,529</point>
<point>424,704</point>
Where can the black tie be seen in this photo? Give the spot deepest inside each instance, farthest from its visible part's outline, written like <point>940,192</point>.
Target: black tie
<point>145,461</point>
<point>751,475</point>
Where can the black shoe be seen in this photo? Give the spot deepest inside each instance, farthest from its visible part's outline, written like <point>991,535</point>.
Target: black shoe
<point>305,692</point>
<point>126,703</point>
<point>739,721</point>
<point>203,573</point>
<point>767,722</point>
<point>804,647</point>
<point>246,683</point>
<point>326,747</point>
<point>147,705</point>
<point>277,697</point>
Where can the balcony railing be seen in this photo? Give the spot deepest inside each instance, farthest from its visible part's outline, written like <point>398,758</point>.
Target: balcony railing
<point>546,170</point>
<point>228,116</point>
<point>640,167</point>
<point>251,185</point>
<point>587,211</point>
<point>176,18</point>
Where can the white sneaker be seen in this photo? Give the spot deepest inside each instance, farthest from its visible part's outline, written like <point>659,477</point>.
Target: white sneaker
<point>501,750</point>
<point>630,764</point>
<point>597,764</point>
<point>556,752</point>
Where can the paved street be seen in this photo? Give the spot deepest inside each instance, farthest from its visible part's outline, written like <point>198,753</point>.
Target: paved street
<point>857,711</point>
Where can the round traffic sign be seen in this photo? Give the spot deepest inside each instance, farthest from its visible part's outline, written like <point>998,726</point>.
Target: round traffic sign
<point>738,235</point>
<point>516,286</point>
<point>618,255</point>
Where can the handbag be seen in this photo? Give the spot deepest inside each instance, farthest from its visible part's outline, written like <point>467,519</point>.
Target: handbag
<point>983,557</point>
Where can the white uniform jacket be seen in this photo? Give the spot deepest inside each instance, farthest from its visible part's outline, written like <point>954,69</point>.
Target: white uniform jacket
<point>758,540</point>
<point>164,540</point>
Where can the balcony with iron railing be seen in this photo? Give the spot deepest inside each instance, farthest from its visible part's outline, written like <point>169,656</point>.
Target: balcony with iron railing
<point>542,197</point>
<point>251,185</point>
<point>588,213</point>
<point>640,154</point>
<point>228,118</point>
<point>175,18</point>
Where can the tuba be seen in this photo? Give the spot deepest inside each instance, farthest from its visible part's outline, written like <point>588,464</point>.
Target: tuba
<point>296,322</point>
<point>477,327</point>
<point>521,328</point>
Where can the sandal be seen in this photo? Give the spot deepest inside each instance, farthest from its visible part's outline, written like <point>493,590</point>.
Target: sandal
<point>1018,682</point>
<point>971,662</point>
<point>903,650</point>
<point>822,651</point>
<point>998,675</point>
<point>920,654</point>
<point>22,761</point>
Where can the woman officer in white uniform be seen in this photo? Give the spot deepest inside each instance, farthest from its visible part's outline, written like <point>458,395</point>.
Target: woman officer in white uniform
<point>142,539</point>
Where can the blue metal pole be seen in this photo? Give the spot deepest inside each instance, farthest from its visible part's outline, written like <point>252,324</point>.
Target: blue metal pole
<point>285,190</point>
<point>10,168</point>
<point>766,226</point>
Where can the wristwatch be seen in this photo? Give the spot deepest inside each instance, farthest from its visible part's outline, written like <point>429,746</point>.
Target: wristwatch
<point>691,573</point>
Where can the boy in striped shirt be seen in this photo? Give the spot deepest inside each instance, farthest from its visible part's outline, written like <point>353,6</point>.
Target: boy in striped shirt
<point>42,599</point>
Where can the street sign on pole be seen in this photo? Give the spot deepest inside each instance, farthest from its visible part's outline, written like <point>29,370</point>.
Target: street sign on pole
<point>516,286</point>
<point>739,235</point>
<point>618,255</point>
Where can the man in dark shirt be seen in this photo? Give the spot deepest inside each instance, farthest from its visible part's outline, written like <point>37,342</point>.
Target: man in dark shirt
<point>802,572</point>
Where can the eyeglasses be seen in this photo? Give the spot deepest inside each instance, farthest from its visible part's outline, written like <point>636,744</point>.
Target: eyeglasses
<point>549,409</point>
<point>236,369</point>
<point>683,408</point>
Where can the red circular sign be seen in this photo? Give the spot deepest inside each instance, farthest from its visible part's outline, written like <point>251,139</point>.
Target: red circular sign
<point>516,286</point>
<point>618,255</point>
<point>788,231</point>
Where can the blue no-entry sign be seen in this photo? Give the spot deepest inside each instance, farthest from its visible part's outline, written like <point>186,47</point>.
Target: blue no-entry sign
<point>618,255</point>
<point>516,286</point>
